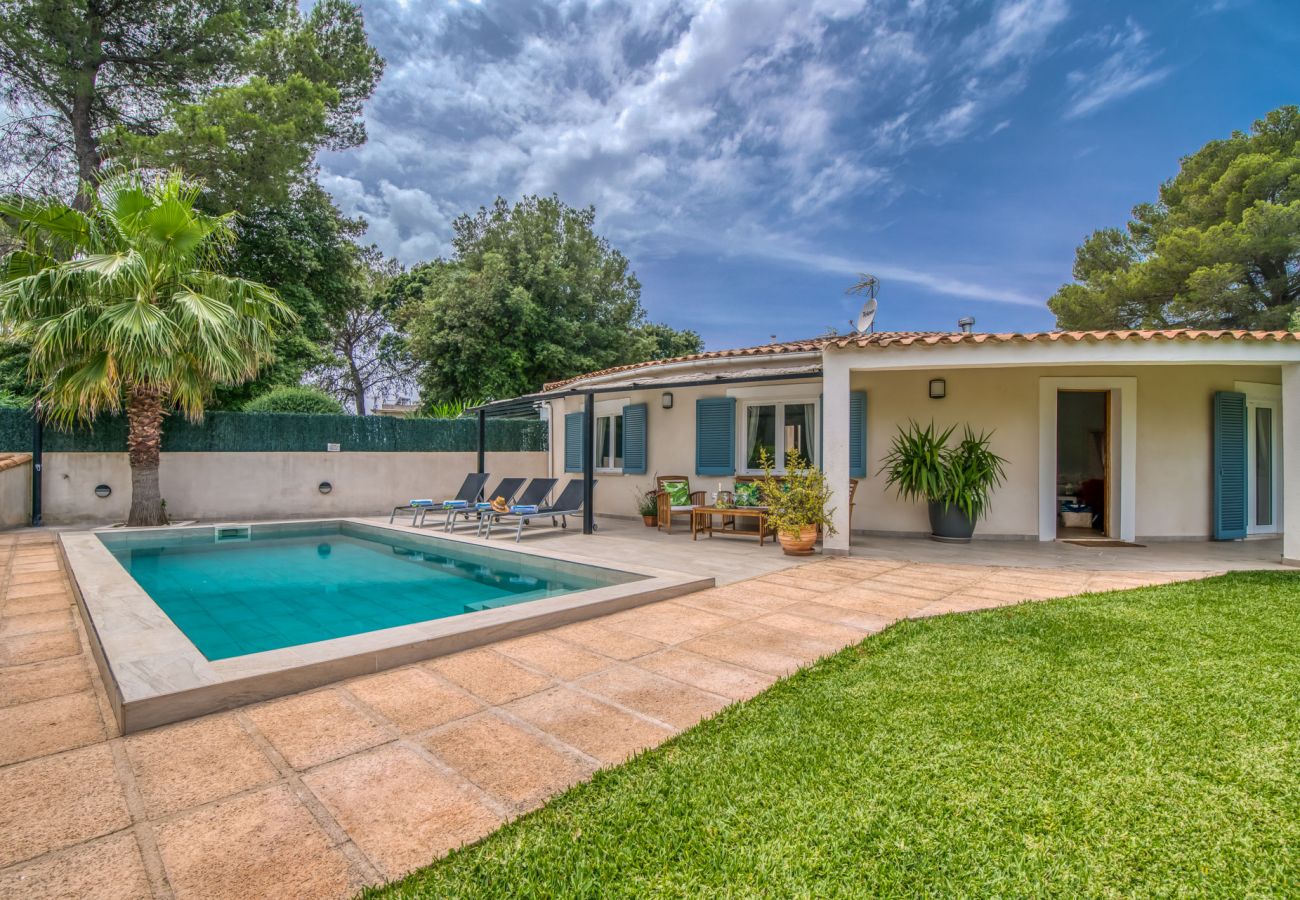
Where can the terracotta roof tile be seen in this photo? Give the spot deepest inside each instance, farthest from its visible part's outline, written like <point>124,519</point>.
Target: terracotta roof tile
<point>944,338</point>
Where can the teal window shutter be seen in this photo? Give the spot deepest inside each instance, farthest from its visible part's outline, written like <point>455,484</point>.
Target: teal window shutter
<point>1229,465</point>
<point>634,439</point>
<point>858,434</point>
<point>715,436</point>
<point>576,434</point>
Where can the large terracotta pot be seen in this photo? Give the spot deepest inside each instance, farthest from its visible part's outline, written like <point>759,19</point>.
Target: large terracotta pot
<point>801,545</point>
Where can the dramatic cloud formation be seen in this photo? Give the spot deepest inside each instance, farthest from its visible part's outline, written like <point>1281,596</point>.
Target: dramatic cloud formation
<point>749,127</point>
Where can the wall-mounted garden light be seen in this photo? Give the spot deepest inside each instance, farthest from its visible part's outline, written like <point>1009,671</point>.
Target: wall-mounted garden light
<point>667,400</point>
<point>938,388</point>
<point>102,490</point>
<point>324,487</point>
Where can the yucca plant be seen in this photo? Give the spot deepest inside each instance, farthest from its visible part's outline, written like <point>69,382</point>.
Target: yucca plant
<point>124,306</point>
<point>915,464</point>
<point>973,470</point>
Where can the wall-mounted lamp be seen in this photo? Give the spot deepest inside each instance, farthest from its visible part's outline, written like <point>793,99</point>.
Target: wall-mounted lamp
<point>938,388</point>
<point>667,400</point>
<point>324,487</point>
<point>102,490</point>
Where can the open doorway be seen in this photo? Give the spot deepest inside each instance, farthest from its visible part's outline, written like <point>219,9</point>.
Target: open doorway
<point>1083,465</point>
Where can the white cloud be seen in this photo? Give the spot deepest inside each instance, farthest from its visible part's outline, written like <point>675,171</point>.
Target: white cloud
<point>1127,68</point>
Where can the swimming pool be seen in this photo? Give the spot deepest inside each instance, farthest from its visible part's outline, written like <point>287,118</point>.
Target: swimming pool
<point>242,590</point>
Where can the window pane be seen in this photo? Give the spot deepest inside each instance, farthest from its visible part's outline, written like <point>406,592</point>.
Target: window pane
<point>799,431</point>
<point>760,433</point>
<point>602,442</point>
<point>1263,466</point>
<point>618,441</point>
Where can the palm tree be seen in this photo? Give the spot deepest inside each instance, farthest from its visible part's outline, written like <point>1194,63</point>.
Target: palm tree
<point>123,305</point>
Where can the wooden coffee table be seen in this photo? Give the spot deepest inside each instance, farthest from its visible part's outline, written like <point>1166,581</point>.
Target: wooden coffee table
<point>702,520</point>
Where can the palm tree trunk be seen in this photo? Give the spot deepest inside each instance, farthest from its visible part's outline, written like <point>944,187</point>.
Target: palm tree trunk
<point>144,415</point>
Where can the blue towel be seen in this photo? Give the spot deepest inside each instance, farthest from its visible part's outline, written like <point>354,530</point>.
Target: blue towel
<point>455,504</point>
<point>420,503</point>
<point>523,510</point>
<point>482,505</point>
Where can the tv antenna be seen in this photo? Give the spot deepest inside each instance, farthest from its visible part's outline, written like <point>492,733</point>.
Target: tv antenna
<point>868,286</point>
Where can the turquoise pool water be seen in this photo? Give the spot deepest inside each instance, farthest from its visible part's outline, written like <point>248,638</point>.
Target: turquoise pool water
<point>297,584</point>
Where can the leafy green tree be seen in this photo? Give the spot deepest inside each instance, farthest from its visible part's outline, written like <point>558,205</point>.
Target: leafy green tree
<point>123,306</point>
<point>666,342</point>
<point>289,399</point>
<point>240,93</point>
<point>1220,248</point>
<point>532,294</point>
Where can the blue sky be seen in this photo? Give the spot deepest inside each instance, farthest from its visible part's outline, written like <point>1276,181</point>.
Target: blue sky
<point>751,157</point>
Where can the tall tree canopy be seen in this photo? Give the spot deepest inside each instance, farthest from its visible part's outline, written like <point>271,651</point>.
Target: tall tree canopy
<point>241,93</point>
<point>531,294</point>
<point>125,306</point>
<point>1219,249</point>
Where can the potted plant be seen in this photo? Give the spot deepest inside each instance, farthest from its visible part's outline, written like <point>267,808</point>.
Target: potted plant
<point>647,504</point>
<point>955,481</point>
<point>797,504</point>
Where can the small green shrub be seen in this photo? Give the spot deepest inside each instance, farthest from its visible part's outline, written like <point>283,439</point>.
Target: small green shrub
<point>294,400</point>
<point>800,499</point>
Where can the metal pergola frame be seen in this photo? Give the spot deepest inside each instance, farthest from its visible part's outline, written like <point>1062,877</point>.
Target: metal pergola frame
<point>589,407</point>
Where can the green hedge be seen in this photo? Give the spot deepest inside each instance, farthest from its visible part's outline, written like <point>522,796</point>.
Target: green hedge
<point>283,432</point>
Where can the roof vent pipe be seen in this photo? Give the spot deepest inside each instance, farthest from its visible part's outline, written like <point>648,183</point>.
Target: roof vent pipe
<point>966,323</point>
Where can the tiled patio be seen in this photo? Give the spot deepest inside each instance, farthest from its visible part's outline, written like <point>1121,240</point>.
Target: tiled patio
<point>317,794</point>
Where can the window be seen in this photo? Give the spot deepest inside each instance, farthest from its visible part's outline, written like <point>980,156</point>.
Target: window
<point>780,428</point>
<point>609,442</point>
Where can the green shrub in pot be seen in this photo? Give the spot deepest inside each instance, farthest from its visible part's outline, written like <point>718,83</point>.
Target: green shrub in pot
<point>955,481</point>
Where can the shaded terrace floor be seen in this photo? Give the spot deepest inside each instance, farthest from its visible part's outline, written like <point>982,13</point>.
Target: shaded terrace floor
<point>317,794</point>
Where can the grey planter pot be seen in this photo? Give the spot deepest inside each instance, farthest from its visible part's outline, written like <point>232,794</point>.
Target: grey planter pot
<point>950,525</point>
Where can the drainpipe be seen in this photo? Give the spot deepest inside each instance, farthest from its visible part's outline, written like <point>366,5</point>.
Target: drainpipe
<point>37,437</point>
<point>589,464</point>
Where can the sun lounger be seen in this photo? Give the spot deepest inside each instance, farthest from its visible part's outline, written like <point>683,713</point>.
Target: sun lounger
<point>569,503</point>
<point>534,495</point>
<point>508,488</point>
<point>470,493</point>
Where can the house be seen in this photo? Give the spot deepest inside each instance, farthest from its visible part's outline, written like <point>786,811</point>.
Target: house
<point>1159,435</point>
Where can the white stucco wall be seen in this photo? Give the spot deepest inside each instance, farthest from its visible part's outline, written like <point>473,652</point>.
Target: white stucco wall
<point>1173,473</point>
<point>15,490</point>
<point>234,486</point>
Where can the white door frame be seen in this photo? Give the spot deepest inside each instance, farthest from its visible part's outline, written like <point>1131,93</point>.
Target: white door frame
<point>1123,450</point>
<point>1269,396</point>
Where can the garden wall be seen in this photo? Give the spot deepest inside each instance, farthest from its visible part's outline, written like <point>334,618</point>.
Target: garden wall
<point>238,466</point>
<point>15,489</point>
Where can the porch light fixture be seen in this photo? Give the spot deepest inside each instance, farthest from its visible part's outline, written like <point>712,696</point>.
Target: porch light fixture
<point>938,388</point>
<point>102,490</point>
<point>667,400</point>
<point>324,487</point>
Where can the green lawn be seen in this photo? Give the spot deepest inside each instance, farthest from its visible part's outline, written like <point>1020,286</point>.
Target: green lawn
<point>1134,743</point>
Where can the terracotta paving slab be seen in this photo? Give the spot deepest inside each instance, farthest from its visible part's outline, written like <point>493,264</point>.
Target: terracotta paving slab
<point>310,729</point>
<point>263,844</point>
<point>106,869</point>
<point>181,766</point>
<point>400,810</point>
<point>659,698</point>
<point>399,767</point>
<point>489,675</point>
<point>41,727</point>
<point>59,801</point>
<point>413,699</point>
<point>511,763</point>
<point>708,674</point>
<point>44,680</point>
<point>597,729</point>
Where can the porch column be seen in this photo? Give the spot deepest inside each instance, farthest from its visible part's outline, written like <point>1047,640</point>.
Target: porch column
<point>835,453</point>
<point>1291,464</point>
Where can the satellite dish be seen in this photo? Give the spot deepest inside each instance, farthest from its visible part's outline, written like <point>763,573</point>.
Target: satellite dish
<point>868,285</point>
<point>867,316</point>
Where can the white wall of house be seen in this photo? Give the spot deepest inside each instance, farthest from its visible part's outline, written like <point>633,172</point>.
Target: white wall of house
<point>1172,465</point>
<point>237,486</point>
